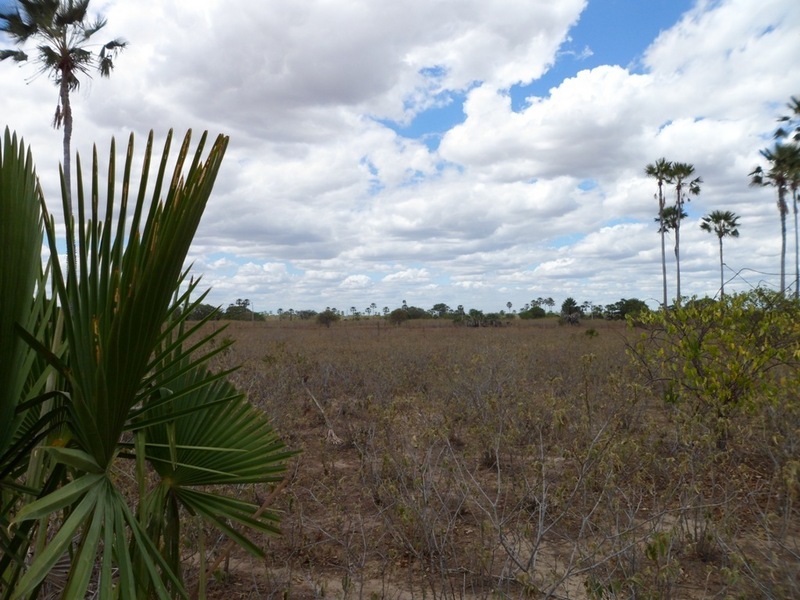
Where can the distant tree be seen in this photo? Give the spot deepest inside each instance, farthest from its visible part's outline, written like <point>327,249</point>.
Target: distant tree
<point>62,31</point>
<point>508,306</point>
<point>660,171</point>
<point>398,316</point>
<point>441,310</point>
<point>327,317</point>
<point>685,187</point>
<point>415,312</point>
<point>239,311</point>
<point>476,317</point>
<point>549,302</point>
<point>570,306</point>
<point>374,308</point>
<point>533,312</point>
<point>305,315</point>
<point>722,223</point>
<point>201,311</point>
<point>493,319</point>
<point>625,307</point>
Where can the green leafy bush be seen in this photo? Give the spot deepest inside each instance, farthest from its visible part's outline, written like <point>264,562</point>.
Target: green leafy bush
<point>717,359</point>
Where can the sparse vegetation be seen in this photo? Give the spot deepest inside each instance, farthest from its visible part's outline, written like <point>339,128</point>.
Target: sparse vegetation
<point>528,460</point>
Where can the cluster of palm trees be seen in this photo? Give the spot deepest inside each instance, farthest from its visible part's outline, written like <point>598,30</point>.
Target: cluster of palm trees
<point>679,176</point>
<point>783,173</point>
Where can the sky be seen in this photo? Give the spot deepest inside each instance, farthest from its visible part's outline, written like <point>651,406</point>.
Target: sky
<point>453,151</point>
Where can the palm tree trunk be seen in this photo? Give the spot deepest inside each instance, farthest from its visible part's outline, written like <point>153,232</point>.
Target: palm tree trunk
<point>782,207</point>
<point>678,261</point>
<point>796,249</point>
<point>663,245</point>
<point>66,113</point>
<point>664,263</point>
<point>721,275</point>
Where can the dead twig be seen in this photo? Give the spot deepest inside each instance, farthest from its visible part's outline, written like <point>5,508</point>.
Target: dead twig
<point>331,437</point>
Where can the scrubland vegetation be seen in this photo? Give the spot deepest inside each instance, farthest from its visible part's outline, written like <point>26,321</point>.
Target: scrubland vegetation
<point>142,453</point>
<point>531,460</point>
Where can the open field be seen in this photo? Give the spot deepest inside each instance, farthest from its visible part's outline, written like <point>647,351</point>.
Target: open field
<point>529,460</point>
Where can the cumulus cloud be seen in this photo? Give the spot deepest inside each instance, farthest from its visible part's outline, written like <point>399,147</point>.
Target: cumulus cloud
<point>321,202</point>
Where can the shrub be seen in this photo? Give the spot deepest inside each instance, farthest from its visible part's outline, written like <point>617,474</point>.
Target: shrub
<point>719,359</point>
<point>327,317</point>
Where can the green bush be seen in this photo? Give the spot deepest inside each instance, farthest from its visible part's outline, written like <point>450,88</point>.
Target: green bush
<point>535,312</point>
<point>719,359</point>
<point>327,318</point>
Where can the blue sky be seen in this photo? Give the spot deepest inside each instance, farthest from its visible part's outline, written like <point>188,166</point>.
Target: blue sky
<point>467,152</point>
<point>608,32</point>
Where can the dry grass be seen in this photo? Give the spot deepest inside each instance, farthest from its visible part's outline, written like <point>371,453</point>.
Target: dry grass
<point>528,460</point>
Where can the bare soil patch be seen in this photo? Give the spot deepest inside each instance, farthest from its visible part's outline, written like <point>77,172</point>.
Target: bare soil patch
<point>530,460</point>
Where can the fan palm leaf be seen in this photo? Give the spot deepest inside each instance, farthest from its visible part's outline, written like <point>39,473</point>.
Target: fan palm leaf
<point>132,383</point>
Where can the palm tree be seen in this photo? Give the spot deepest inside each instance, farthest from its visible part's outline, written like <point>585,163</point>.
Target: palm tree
<point>660,171</point>
<point>794,184</point>
<point>723,223</point>
<point>783,161</point>
<point>684,187</point>
<point>790,128</point>
<point>62,31</point>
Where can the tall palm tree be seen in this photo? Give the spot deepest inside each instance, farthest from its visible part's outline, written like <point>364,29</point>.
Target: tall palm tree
<point>794,184</point>
<point>723,223</point>
<point>685,187</point>
<point>62,31</point>
<point>660,171</point>
<point>778,175</point>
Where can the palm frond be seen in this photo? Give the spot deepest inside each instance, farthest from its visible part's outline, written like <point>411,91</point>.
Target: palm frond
<point>116,302</point>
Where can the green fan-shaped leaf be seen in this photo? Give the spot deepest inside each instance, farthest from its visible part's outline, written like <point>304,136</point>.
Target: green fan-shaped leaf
<point>20,276</point>
<point>59,499</point>
<point>42,564</point>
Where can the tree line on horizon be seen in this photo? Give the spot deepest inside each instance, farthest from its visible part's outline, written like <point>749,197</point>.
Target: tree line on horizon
<point>242,310</point>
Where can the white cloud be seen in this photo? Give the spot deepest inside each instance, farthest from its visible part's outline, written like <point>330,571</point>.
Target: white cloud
<point>318,203</point>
